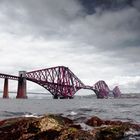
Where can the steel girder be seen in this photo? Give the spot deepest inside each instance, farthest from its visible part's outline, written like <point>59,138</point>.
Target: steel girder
<point>104,91</point>
<point>102,88</point>
<point>60,81</point>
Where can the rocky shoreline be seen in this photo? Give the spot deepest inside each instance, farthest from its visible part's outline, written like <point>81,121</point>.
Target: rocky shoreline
<point>57,127</point>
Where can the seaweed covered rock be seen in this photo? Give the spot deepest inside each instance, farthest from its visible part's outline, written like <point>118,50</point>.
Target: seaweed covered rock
<point>48,127</point>
<point>111,130</point>
<point>94,121</point>
<point>56,127</point>
<point>74,134</point>
<point>24,128</point>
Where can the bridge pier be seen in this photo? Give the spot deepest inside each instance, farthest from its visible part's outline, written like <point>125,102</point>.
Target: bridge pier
<point>21,91</point>
<point>5,89</point>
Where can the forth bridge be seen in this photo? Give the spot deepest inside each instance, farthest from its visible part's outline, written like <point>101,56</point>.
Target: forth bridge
<point>60,81</point>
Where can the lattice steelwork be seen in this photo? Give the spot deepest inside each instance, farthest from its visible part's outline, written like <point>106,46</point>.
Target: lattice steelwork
<point>60,81</point>
<point>102,88</point>
<point>12,77</point>
<point>116,92</point>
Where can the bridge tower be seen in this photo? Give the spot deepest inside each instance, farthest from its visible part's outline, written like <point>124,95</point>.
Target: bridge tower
<point>5,89</point>
<point>21,91</point>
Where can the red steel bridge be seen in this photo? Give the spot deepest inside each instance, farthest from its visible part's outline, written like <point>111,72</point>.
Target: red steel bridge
<point>60,81</point>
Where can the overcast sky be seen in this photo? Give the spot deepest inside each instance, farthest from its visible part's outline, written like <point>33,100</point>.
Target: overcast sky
<point>96,39</point>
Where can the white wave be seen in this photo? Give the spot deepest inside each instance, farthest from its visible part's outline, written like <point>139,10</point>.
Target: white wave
<point>31,115</point>
<point>73,113</point>
<point>132,132</point>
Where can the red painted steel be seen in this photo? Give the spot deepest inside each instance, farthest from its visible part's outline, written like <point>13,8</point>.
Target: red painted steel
<point>60,81</point>
<point>116,92</point>
<point>102,88</point>
<point>12,77</point>
<point>5,90</point>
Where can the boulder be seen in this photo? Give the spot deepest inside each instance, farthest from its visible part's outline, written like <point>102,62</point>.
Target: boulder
<point>94,121</point>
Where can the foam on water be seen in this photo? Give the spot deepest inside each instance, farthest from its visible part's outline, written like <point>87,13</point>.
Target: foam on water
<point>132,135</point>
<point>73,113</point>
<point>31,115</point>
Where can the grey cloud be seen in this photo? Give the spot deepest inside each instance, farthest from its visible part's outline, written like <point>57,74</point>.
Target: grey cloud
<point>132,83</point>
<point>57,19</point>
<point>136,4</point>
<point>41,18</point>
<point>116,32</point>
<point>106,40</point>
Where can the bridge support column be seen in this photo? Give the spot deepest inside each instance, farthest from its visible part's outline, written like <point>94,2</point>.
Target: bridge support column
<point>5,89</point>
<point>21,91</point>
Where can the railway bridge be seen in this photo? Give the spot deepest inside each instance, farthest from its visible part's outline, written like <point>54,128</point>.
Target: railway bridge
<point>60,81</point>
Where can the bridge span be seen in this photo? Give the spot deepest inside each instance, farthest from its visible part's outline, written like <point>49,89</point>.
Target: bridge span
<point>60,81</point>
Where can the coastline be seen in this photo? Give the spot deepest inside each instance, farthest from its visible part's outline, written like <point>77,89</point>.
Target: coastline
<point>57,127</point>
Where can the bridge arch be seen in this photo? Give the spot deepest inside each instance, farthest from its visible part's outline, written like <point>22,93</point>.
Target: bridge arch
<point>56,93</point>
<point>102,89</point>
<point>59,81</point>
<point>55,89</point>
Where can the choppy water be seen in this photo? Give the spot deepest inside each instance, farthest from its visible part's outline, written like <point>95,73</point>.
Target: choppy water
<point>126,109</point>
<point>78,109</point>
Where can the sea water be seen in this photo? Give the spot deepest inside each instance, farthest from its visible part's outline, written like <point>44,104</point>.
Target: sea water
<point>79,108</point>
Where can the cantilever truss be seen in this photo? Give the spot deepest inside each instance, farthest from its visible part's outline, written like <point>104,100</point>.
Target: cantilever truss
<point>60,81</point>
<point>102,88</point>
<point>104,91</point>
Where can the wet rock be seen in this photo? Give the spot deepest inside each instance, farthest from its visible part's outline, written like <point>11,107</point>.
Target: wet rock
<point>24,128</point>
<point>48,122</point>
<point>77,126</point>
<point>15,128</point>
<point>75,134</point>
<point>46,135</point>
<point>109,122</point>
<point>2,122</point>
<point>112,132</point>
<point>56,127</point>
<point>94,121</point>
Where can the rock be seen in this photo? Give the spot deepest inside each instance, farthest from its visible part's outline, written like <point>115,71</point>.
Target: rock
<point>46,135</point>
<point>109,122</point>
<point>24,128</point>
<point>2,122</point>
<point>94,121</point>
<point>15,128</point>
<point>56,127</point>
<point>75,134</point>
<point>112,132</point>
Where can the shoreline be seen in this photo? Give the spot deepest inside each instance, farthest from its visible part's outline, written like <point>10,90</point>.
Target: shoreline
<point>57,127</point>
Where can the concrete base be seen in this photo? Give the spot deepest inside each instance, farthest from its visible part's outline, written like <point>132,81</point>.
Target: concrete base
<point>21,92</point>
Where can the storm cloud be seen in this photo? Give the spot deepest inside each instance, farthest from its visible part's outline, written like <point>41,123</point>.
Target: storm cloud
<point>96,39</point>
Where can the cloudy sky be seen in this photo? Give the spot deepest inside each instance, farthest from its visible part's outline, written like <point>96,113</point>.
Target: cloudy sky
<point>96,39</point>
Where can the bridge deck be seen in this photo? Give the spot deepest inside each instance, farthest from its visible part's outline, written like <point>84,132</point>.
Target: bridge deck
<point>12,77</point>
